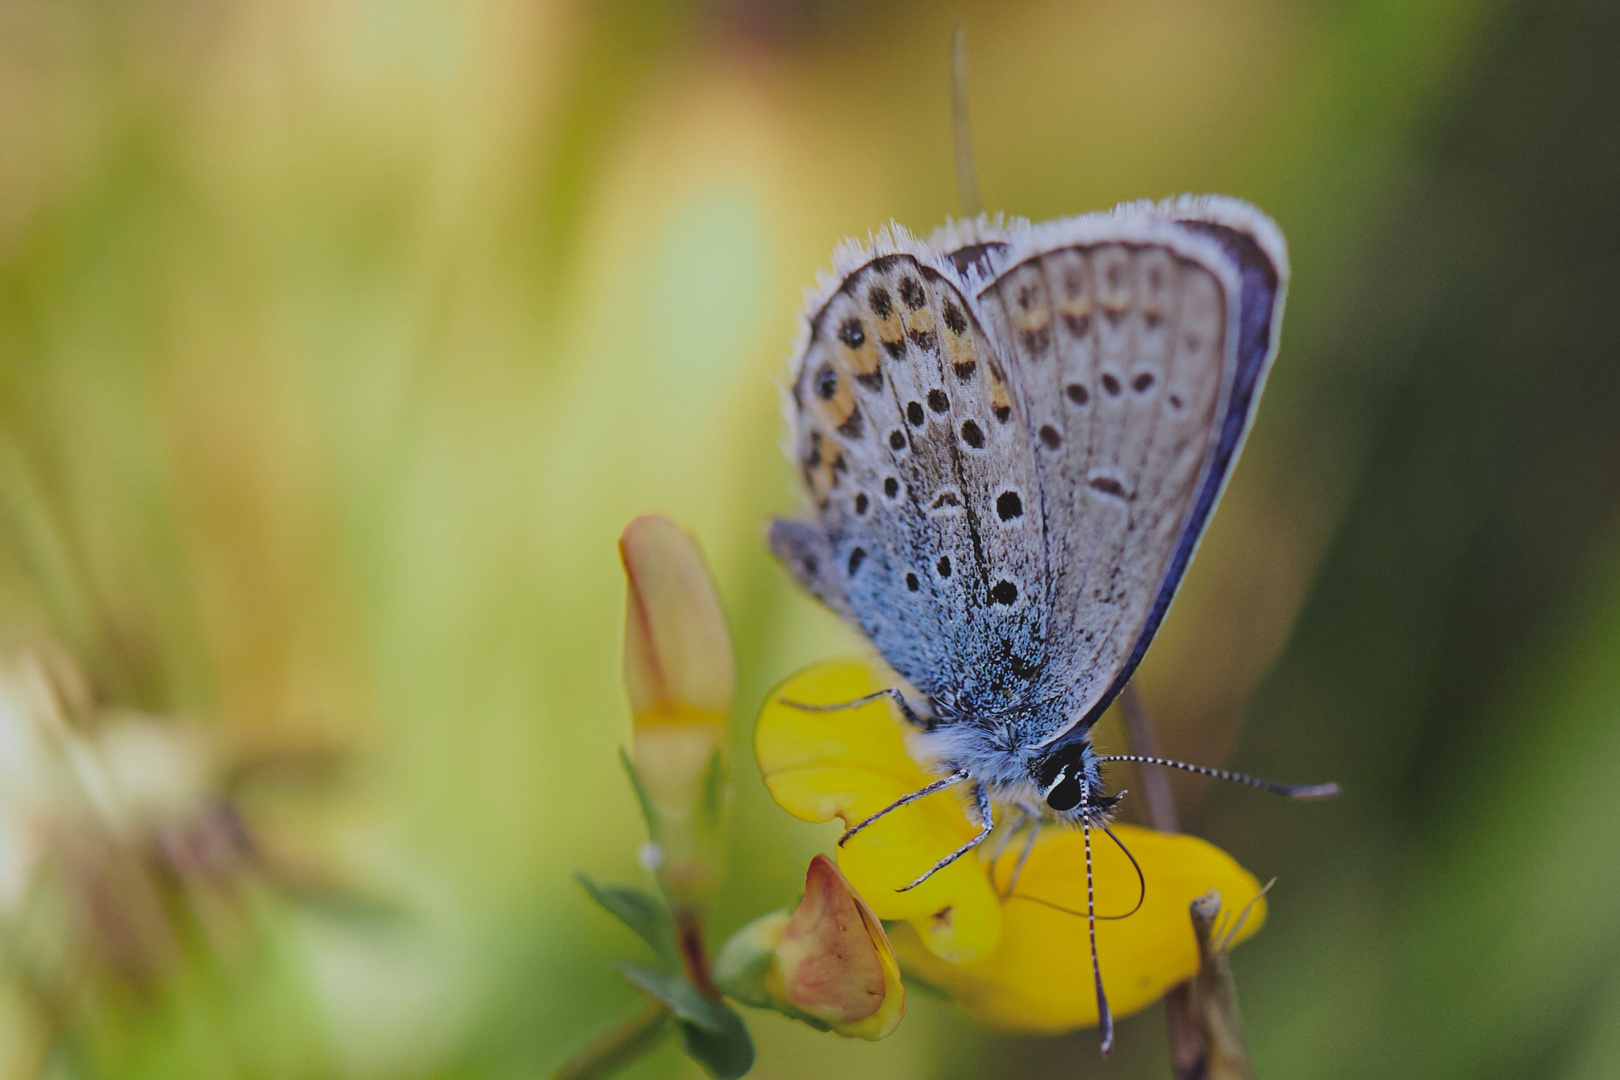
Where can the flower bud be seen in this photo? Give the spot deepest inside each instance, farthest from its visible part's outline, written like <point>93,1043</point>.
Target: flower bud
<point>680,675</point>
<point>828,963</point>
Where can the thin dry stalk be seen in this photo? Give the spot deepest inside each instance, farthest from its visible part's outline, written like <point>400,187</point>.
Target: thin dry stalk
<point>1205,1030</point>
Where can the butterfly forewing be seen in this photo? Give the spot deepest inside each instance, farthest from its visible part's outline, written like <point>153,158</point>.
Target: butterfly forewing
<point>1118,353</point>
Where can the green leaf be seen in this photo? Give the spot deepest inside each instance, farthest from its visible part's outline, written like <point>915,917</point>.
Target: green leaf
<point>673,990</point>
<point>641,911</point>
<point>714,1035</point>
<point>726,1054</point>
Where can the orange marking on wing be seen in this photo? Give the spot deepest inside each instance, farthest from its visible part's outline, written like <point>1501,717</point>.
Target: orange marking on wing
<point>1074,298</point>
<point>1113,279</point>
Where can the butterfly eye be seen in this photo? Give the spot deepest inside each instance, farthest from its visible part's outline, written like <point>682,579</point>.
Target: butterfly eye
<point>1065,794</point>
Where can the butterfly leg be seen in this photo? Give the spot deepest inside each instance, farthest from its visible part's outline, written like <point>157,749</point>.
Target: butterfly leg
<point>1105,1018</point>
<point>986,825</point>
<point>1023,856</point>
<point>1006,834</point>
<point>938,785</point>
<point>866,699</point>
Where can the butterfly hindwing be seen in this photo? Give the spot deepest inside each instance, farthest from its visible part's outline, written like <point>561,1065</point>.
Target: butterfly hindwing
<point>926,502</point>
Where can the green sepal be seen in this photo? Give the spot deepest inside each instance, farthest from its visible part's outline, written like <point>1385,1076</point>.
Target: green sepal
<point>743,962</point>
<point>648,814</point>
<point>712,1032</point>
<point>715,794</point>
<point>641,911</point>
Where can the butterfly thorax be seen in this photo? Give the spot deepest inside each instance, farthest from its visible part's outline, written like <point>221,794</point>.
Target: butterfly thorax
<point>1065,777</point>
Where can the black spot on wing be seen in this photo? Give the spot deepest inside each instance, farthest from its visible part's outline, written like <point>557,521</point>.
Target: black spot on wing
<point>1108,485</point>
<point>855,426</point>
<point>1022,668</point>
<point>911,291</point>
<point>825,382</point>
<point>879,301</point>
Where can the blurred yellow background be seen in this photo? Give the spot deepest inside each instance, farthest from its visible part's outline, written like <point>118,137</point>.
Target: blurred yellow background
<point>339,340</point>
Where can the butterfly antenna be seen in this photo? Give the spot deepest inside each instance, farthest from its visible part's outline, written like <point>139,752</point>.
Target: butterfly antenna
<point>1292,791</point>
<point>967,178</point>
<point>1141,885</point>
<point>1141,881</point>
<point>1105,1018</point>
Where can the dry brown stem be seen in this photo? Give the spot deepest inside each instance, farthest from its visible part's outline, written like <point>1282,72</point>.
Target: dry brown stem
<point>1205,1030</point>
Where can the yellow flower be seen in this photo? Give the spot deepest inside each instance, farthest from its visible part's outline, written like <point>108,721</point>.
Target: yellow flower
<point>680,673</point>
<point>828,961</point>
<point>1017,963</point>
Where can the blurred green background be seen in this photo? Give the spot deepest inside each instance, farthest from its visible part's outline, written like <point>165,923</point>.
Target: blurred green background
<point>338,341</point>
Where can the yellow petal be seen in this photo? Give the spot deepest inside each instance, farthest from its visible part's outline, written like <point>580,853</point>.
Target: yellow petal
<point>1039,977</point>
<point>849,765</point>
<point>881,1024</point>
<point>678,664</point>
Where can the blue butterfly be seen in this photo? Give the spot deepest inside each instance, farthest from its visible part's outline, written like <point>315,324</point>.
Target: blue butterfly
<point>1014,435</point>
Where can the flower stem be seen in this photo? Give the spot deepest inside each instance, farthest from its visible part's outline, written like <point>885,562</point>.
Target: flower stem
<point>1226,1055</point>
<point>1155,780</point>
<point>694,957</point>
<point>1206,1032</point>
<point>617,1047</point>
<point>1189,1043</point>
